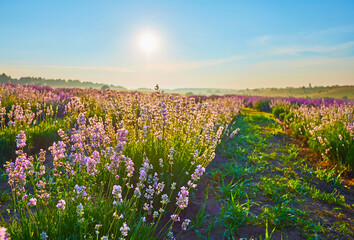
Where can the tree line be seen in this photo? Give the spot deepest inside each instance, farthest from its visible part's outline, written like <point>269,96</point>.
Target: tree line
<point>56,82</point>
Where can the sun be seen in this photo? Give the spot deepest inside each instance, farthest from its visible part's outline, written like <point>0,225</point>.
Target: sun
<point>148,42</point>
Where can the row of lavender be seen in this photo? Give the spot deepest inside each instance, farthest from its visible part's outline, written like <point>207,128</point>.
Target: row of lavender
<point>327,125</point>
<point>327,128</point>
<point>40,111</point>
<point>122,164</point>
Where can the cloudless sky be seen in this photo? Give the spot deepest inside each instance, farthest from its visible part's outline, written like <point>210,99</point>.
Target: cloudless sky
<point>222,44</point>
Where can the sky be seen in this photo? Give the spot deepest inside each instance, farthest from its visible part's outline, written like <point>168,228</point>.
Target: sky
<point>203,44</point>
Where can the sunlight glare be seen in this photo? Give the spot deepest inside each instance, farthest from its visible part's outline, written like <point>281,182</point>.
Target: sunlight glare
<point>148,42</point>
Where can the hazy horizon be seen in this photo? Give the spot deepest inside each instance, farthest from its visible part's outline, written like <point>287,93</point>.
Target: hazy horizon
<point>200,44</point>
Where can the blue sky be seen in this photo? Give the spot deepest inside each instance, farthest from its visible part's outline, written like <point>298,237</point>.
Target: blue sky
<point>223,44</point>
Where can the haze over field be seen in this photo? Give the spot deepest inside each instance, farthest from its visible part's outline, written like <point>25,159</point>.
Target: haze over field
<point>180,44</point>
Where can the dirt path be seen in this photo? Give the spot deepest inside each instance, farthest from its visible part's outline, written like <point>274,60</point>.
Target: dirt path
<point>262,180</point>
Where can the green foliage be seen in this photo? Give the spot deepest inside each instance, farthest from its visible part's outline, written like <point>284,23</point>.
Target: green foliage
<point>329,175</point>
<point>39,136</point>
<point>267,236</point>
<point>277,110</point>
<point>7,146</point>
<point>5,197</point>
<point>43,135</point>
<point>104,87</point>
<point>288,117</point>
<point>282,216</point>
<point>234,214</point>
<point>200,218</point>
<point>334,197</point>
<point>263,105</point>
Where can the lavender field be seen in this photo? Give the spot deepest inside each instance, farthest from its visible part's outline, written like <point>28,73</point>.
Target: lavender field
<point>126,165</point>
<point>119,164</point>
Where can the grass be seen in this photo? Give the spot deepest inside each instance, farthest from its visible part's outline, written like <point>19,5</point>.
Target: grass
<point>200,218</point>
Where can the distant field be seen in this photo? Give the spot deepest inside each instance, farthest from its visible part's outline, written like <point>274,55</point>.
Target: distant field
<point>345,92</point>
<point>338,92</point>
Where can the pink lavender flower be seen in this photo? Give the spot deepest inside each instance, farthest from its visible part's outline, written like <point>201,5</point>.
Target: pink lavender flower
<point>32,202</point>
<point>159,188</point>
<point>17,172</point>
<point>77,139</point>
<point>58,150</point>
<point>149,192</point>
<point>148,207</point>
<point>198,173</point>
<point>21,139</point>
<point>81,119</point>
<point>143,175</point>
<point>124,229</point>
<point>182,199</point>
<point>122,138</point>
<point>91,163</point>
<point>175,217</point>
<point>42,154</point>
<point>61,204</point>
<point>191,184</point>
<point>122,134</point>
<point>129,167</point>
<point>117,189</point>
<point>117,194</point>
<point>185,224</point>
<point>3,234</point>
<point>80,190</point>
<point>234,132</point>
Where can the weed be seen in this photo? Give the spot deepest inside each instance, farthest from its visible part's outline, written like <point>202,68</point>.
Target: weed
<point>200,218</point>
